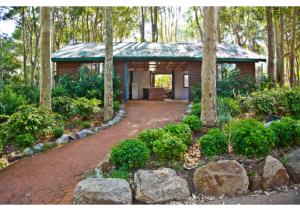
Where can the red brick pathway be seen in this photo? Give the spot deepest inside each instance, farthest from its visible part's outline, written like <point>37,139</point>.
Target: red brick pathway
<point>50,177</point>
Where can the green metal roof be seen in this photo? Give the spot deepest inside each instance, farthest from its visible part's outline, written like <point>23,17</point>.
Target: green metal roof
<point>86,52</point>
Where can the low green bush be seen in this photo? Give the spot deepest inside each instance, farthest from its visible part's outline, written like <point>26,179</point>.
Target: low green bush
<point>130,154</point>
<point>86,107</point>
<point>10,101</point>
<point>29,120</point>
<point>82,124</point>
<point>26,140</point>
<point>31,93</point>
<point>149,136</point>
<point>193,122</point>
<point>116,106</point>
<point>249,137</point>
<point>59,91</point>
<point>292,98</point>
<point>227,104</point>
<point>3,118</point>
<point>62,105</point>
<point>286,131</point>
<point>263,103</point>
<point>213,143</point>
<point>181,131</point>
<point>169,148</point>
<point>120,174</point>
<point>196,109</point>
<point>58,132</point>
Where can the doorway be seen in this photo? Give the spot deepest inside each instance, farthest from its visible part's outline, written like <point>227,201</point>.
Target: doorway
<point>165,81</point>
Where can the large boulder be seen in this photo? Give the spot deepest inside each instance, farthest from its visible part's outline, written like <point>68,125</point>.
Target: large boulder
<point>273,174</point>
<point>83,133</point>
<point>102,191</point>
<point>226,177</point>
<point>160,185</point>
<point>293,165</point>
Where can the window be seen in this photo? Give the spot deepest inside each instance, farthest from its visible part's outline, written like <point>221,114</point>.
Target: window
<point>185,81</point>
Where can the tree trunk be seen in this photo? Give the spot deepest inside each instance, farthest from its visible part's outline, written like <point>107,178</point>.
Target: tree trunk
<point>155,23</point>
<point>209,66</point>
<point>142,27</point>
<point>198,24</point>
<point>46,75</point>
<point>24,45</point>
<point>108,88</point>
<point>1,64</point>
<point>52,35</point>
<point>279,50</point>
<point>292,54</point>
<point>271,43</point>
<point>154,16</point>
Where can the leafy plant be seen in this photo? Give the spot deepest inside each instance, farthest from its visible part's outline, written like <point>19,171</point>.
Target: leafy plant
<point>57,132</point>
<point>26,140</point>
<point>193,122</point>
<point>30,120</point>
<point>120,174</point>
<point>196,109</point>
<point>149,136</point>
<point>181,131</point>
<point>130,154</point>
<point>86,107</point>
<point>228,105</point>
<point>81,123</point>
<point>213,143</point>
<point>169,148</point>
<point>116,105</point>
<point>196,93</point>
<point>62,105</point>
<point>263,103</point>
<point>59,91</point>
<point>10,101</point>
<point>249,137</point>
<point>285,131</point>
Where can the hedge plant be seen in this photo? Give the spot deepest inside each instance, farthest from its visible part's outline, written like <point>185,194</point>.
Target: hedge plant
<point>249,137</point>
<point>169,148</point>
<point>213,143</point>
<point>130,154</point>
<point>181,131</point>
<point>86,107</point>
<point>62,105</point>
<point>193,122</point>
<point>151,135</point>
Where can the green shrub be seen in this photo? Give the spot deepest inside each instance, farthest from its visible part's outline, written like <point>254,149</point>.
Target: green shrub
<point>3,118</point>
<point>149,136</point>
<point>58,132</point>
<point>10,101</point>
<point>228,105</point>
<point>181,131</point>
<point>213,143</point>
<point>292,98</point>
<point>82,124</point>
<point>86,107</point>
<point>286,131</point>
<point>26,140</point>
<point>130,154</point>
<point>116,105</point>
<point>263,103</point>
<point>193,122</point>
<point>31,93</point>
<point>196,109</point>
<point>196,93</point>
<point>169,148</point>
<point>30,120</point>
<point>120,174</point>
<point>62,105</point>
<point>249,137</point>
<point>59,91</point>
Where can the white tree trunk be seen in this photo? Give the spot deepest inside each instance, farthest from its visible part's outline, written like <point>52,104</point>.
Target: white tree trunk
<point>46,74</point>
<point>209,65</point>
<point>108,86</point>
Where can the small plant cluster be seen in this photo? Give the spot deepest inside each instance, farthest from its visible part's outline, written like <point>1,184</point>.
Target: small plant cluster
<point>249,137</point>
<point>165,144</point>
<point>276,101</point>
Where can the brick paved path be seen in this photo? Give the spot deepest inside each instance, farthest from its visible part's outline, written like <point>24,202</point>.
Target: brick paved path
<point>50,177</point>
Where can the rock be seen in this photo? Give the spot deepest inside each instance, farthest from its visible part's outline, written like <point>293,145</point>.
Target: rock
<point>102,191</point>
<point>83,133</point>
<point>28,151</point>
<point>160,185</point>
<point>267,124</point>
<point>38,147</point>
<point>226,177</point>
<point>65,137</point>
<point>293,165</point>
<point>50,144</point>
<point>60,141</point>
<point>13,157</point>
<point>273,174</point>
<point>255,182</point>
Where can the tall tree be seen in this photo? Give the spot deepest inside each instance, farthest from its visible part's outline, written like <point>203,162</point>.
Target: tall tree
<point>271,43</point>
<point>198,22</point>
<point>279,35</point>
<point>142,27</point>
<point>1,64</point>
<point>46,74</point>
<point>24,44</point>
<point>154,18</point>
<point>292,52</point>
<point>108,87</point>
<point>209,67</point>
